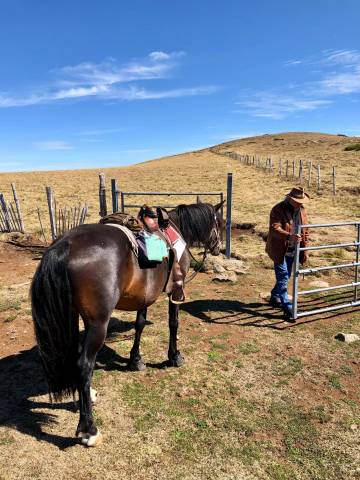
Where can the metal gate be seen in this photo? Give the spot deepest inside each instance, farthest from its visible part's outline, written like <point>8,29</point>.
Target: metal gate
<point>297,272</point>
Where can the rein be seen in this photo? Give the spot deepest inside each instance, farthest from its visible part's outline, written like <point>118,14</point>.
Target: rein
<point>198,265</point>
<point>214,240</point>
<point>205,253</point>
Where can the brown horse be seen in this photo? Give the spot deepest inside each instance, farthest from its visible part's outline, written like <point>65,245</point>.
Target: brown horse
<point>90,271</point>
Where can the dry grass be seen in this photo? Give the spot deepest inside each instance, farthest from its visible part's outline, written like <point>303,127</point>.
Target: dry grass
<point>254,191</point>
<point>256,399</point>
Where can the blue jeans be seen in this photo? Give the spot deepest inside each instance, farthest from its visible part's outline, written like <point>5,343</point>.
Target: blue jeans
<point>282,275</point>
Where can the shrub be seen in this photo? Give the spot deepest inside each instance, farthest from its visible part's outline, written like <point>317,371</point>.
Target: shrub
<point>353,146</point>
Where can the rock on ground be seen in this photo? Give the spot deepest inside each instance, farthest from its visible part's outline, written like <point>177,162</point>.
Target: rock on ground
<point>225,277</point>
<point>347,337</point>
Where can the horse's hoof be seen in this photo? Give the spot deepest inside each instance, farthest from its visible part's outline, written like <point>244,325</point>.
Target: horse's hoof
<point>93,395</point>
<point>91,440</point>
<point>177,361</point>
<point>137,366</point>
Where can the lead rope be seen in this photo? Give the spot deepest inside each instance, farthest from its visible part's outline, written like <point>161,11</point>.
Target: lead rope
<point>198,266</point>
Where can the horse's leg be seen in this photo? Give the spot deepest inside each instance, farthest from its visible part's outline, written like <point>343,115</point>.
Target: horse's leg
<point>175,357</point>
<point>136,363</point>
<point>95,337</point>
<point>93,392</point>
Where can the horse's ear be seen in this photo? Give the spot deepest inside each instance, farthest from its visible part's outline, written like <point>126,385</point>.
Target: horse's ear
<point>219,205</point>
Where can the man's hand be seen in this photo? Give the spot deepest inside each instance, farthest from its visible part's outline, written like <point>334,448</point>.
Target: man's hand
<point>295,238</point>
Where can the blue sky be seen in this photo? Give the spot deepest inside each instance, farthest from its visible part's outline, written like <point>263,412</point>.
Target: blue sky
<point>93,84</point>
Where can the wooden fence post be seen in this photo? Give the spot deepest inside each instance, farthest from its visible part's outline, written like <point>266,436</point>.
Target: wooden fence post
<point>301,171</point>
<point>293,168</point>
<point>6,218</point>
<point>280,167</point>
<point>18,209</point>
<point>310,172</point>
<point>102,195</point>
<point>41,225</point>
<point>318,178</point>
<point>228,214</point>
<point>114,195</point>
<point>287,168</point>
<point>50,200</point>
<point>334,180</point>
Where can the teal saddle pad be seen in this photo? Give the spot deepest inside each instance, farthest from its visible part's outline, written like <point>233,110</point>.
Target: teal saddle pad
<point>156,248</point>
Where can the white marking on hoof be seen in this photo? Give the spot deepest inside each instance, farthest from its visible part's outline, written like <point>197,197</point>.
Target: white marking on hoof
<point>93,395</point>
<point>93,440</point>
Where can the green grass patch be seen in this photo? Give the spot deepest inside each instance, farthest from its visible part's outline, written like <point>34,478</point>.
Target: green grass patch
<point>214,356</point>
<point>248,348</point>
<point>13,303</point>
<point>11,318</point>
<point>288,368</point>
<point>346,370</point>
<point>335,381</point>
<point>320,414</point>
<point>276,471</point>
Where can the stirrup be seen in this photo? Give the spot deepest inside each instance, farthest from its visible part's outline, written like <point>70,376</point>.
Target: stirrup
<point>177,302</point>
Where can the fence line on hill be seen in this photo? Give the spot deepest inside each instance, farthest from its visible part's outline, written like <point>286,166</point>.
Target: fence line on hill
<point>301,171</point>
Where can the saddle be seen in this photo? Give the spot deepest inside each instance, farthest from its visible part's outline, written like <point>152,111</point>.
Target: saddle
<point>152,248</point>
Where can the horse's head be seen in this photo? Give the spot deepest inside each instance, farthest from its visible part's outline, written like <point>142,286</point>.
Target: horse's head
<point>200,223</point>
<point>214,243</point>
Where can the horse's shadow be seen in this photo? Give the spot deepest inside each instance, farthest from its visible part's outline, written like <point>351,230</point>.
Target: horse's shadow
<point>22,378</point>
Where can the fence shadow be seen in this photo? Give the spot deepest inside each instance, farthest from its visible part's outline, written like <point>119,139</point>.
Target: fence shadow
<point>232,312</point>
<point>253,314</point>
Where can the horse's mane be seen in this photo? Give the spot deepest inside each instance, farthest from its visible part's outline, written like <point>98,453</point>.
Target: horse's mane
<point>194,221</point>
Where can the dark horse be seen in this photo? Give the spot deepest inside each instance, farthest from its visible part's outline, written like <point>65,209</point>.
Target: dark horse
<point>90,271</point>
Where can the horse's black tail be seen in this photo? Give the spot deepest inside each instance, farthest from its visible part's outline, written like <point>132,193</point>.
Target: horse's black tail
<point>56,329</point>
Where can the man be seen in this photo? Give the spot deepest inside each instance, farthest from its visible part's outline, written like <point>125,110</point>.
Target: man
<point>282,239</point>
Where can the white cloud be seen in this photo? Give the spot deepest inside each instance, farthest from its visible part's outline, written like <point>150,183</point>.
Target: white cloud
<point>53,145</point>
<point>159,56</point>
<point>276,106</point>
<point>99,131</point>
<point>338,74</point>
<point>341,57</point>
<point>108,80</point>
<point>137,93</point>
<point>293,62</point>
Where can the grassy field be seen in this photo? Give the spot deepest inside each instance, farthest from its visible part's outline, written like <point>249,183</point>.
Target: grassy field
<point>257,398</point>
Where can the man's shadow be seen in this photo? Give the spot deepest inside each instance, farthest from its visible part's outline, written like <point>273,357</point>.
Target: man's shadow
<point>22,377</point>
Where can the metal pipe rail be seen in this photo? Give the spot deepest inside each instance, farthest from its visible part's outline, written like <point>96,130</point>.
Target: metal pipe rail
<point>129,205</point>
<point>327,289</point>
<point>297,271</point>
<point>329,267</point>
<point>180,194</point>
<point>333,245</point>
<point>326,225</point>
<point>328,309</point>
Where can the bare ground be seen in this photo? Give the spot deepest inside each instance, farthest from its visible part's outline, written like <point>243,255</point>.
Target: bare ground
<point>258,398</point>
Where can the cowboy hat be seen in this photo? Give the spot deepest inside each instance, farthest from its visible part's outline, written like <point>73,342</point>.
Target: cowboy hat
<point>299,195</point>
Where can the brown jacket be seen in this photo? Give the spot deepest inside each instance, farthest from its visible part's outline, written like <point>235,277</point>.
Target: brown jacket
<point>281,218</point>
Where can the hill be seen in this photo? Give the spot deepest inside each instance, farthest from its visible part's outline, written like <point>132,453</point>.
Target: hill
<point>255,191</point>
